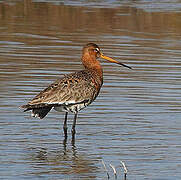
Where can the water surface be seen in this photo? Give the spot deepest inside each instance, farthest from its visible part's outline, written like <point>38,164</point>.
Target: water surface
<point>135,119</point>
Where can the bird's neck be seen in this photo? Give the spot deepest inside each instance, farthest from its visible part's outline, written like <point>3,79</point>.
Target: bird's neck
<point>92,64</point>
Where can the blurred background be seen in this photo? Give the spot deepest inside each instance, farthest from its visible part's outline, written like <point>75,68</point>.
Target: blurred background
<point>135,119</point>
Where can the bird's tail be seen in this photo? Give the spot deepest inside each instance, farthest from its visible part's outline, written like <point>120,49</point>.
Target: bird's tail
<point>37,110</point>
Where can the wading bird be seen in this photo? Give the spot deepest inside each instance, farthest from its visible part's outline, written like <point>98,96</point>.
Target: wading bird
<point>74,91</point>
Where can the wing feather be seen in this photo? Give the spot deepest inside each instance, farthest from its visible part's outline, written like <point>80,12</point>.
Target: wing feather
<point>73,88</point>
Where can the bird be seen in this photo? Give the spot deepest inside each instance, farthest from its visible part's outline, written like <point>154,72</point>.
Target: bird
<point>72,92</point>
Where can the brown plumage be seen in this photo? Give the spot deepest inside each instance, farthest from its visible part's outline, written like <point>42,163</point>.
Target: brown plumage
<point>74,91</point>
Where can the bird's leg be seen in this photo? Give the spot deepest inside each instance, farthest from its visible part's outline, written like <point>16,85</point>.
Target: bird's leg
<point>73,126</point>
<point>65,125</point>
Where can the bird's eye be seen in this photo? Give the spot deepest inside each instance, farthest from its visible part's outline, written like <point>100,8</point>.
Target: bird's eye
<point>96,50</point>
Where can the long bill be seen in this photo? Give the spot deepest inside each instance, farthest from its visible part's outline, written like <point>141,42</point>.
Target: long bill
<point>113,61</point>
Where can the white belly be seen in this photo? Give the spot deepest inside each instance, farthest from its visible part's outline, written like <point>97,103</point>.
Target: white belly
<point>60,109</point>
<point>70,108</point>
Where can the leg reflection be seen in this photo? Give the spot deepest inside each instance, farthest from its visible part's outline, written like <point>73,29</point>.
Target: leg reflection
<point>65,145</point>
<point>74,149</point>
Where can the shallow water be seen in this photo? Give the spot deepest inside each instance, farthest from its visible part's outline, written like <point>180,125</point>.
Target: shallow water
<point>135,119</point>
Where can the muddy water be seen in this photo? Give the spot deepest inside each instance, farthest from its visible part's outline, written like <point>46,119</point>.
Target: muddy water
<point>136,118</point>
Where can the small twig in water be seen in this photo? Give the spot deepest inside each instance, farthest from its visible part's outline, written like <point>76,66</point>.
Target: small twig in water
<point>105,169</point>
<point>125,169</point>
<point>114,170</point>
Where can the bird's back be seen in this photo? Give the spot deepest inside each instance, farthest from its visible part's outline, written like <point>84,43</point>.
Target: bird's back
<point>72,93</point>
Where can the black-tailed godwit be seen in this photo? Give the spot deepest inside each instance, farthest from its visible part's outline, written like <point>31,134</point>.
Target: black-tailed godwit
<point>74,91</point>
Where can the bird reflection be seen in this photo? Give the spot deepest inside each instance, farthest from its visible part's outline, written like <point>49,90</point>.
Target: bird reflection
<point>64,159</point>
<point>74,149</point>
